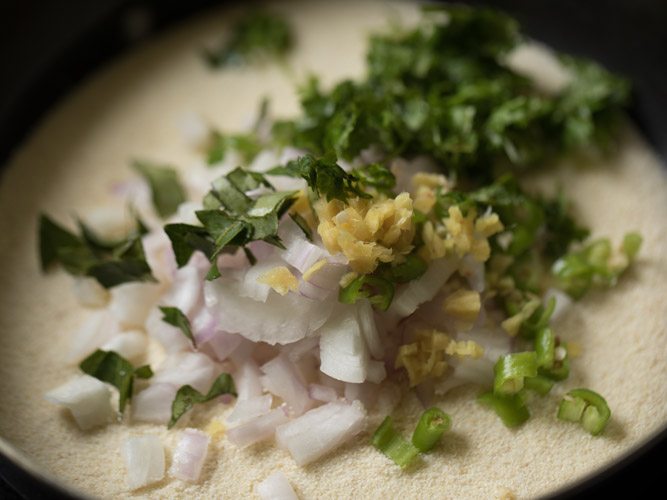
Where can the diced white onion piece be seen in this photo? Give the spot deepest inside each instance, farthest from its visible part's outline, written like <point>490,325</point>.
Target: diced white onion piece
<point>130,345</point>
<point>563,302</point>
<point>328,276</point>
<point>247,379</point>
<point>109,223</point>
<point>299,252</point>
<point>322,393</point>
<point>366,318</point>
<point>258,429</point>
<point>185,291</point>
<point>169,336</point>
<point>153,404</point>
<point>144,458</point>
<point>89,292</point>
<point>97,329</point>
<point>495,342</point>
<point>282,380</point>
<point>249,285</point>
<point>473,271</point>
<point>275,487</point>
<point>265,160</point>
<point>88,399</point>
<point>321,430</point>
<point>298,350</point>
<point>186,213</point>
<point>189,455</point>
<point>313,292</point>
<point>343,351</point>
<point>222,344</point>
<point>159,255</point>
<point>131,303</point>
<point>247,409</point>
<point>187,368</point>
<point>282,319</point>
<point>424,288</point>
<point>376,372</point>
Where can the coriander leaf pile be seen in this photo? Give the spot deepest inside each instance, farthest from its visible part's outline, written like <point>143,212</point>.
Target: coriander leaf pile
<point>381,240</point>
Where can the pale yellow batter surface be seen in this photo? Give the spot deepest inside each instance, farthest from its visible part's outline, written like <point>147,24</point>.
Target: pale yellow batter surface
<point>131,109</point>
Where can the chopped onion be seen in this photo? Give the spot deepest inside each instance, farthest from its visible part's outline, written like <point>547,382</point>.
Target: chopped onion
<point>131,344</point>
<point>282,319</point>
<point>369,330</point>
<point>249,285</point>
<point>153,404</point>
<point>563,302</point>
<point>275,487</point>
<point>473,271</point>
<point>282,380</point>
<point>185,292</point>
<point>322,393</point>
<point>365,393</point>
<point>159,255</point>
<point>88,399</point>
<point>311,291</point>
<point>169,336</point>
<point>89,292</point>
<point>301,348</point>
<point>321,430</point>
<point>328,276</point>
<point>97,329</point>
<point>247,380</point>
<point>187,368</point>
<point>187,213</point>
<point>189,455</point>
<point>258,429</point>
<point>131,303</point>
<point>247,409</point>
<point>109,223</point>
<point>144,457</point>
<point>299,252</point>
<point>376,372</point>
<point>424,288</point>
<point>343,351</point>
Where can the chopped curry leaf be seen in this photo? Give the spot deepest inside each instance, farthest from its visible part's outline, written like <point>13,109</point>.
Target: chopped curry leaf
<point>175,317</point>
<point>112,368</point>
<point>187,396</point>
<point>166,190</point>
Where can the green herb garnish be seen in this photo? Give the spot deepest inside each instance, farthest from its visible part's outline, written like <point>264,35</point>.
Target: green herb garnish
<point>256,37</point>
<point>112,368</point>
<point>175,317</point>
<point>187,396</point>
<point>110,263</point>
<point>166,190</point>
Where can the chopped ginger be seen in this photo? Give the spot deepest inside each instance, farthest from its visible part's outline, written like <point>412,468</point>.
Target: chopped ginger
<point>280,279</point>
<point>465,348</point>
<point>347,278</point>
<point>512,324</point>
<point>216,429</point>
<point>463,306</point>
<point>367,232</point>
<point>312,270</point>
<point>301,207</point>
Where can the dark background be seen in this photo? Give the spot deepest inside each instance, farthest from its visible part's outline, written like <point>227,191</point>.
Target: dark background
<point>47,46</point>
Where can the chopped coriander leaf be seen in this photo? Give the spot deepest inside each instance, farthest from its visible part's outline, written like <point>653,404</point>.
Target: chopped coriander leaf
<point>379,291</point>
<point>587,407</point>
<point>175,317</point>
<point>432,424</point>
<point>110,264</point>
<point>387,440</point>
<point>324,176</point>
<point>187,396</point>
<point>511,409</point>
<point>376,176</point>
<point>113,369</point>
<point>166,190</point>
<point>220,145</point>
<point>255,37</point>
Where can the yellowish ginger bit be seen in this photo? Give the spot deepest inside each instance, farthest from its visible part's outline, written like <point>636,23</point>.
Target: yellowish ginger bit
<point>216,429</point>
<point>425,358</point>
<point>463,306</point>
<point>425,186</point>
<point>280,279</point>
<point>348,278</point>
<point>512,324</point>
<point>465,348</point>
<point>574,349</point>
<point>367,231</point>
<point>314,269</point>
<point>434,246</point>
<point>488,225</point>
<point>301,207</point>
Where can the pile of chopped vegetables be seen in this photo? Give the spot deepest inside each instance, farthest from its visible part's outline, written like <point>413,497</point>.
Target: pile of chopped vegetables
<point>381,238</point>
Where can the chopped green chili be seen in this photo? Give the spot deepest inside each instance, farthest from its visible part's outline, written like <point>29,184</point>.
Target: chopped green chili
<point>387,440</point>
<point>587,407</point>
<point>511,370</point>
<point>545,345</point>
<point>431,426</point>
<point>511,409</point>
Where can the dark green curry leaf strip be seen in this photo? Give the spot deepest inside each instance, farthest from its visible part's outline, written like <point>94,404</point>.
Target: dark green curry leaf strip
<point>166,190</point>
<point>175,317</point>
<point>187,396</point>
<point>112,368</point>
<point>53,238</point>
